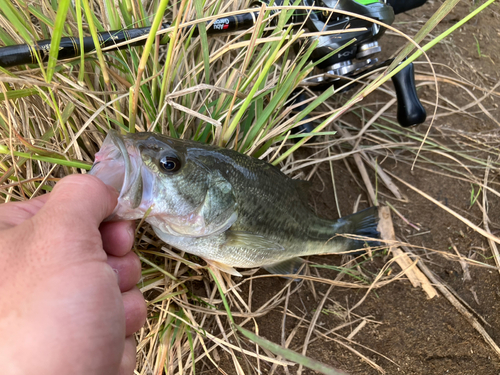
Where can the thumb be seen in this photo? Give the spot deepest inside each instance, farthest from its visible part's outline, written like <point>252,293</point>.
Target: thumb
<point>80,201</point>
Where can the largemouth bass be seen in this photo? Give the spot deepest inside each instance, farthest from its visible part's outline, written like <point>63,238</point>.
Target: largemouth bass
<point>230,209</point>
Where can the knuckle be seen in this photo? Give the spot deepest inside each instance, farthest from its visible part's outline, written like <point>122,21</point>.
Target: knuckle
<point>75,187</point>
<point>87,182</point>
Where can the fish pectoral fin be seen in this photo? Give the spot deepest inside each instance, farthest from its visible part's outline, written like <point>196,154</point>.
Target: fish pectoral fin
<point>213,216</point>
<point>219,207</point>
<point>255,242</point>
<point>223,267</point>
<point>290,266</point>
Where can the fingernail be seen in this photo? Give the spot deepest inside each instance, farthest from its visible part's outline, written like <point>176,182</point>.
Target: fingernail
<point>131,231</point>
<point>113,190</point>
<point>117,275</point>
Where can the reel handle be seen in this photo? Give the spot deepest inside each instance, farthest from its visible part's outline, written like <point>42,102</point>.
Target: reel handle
<point>410,110</point>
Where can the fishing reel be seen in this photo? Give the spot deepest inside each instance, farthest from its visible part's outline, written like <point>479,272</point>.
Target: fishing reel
<point>350,57</point>
<point>355,59</point>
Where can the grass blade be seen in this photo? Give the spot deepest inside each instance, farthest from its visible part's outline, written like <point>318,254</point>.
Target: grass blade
<point>62,11</point>
<point>202,28</point>
<point>69,163</point>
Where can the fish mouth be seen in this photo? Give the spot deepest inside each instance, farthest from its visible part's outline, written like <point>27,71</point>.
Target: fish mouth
<point>118,164</point>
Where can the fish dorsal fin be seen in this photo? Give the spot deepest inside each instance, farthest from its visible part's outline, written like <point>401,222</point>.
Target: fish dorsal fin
<point>290,266</point>
<point>245,240</point>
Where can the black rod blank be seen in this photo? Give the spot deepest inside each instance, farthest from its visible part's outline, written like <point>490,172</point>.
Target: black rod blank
<point>70,47</point>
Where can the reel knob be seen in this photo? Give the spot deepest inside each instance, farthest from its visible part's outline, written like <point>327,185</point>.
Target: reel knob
<point>410,110</point>
<point>306,127</point>
<point>400,6</point>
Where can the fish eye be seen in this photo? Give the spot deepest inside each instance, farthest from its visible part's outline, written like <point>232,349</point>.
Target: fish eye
<point>170,164</point>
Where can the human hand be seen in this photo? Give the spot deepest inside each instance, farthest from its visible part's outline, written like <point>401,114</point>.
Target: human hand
<point>68,301</point>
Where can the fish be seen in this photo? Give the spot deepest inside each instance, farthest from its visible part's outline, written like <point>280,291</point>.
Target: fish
<point>230,209</point>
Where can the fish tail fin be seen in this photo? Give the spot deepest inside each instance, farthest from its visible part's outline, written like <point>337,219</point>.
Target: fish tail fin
<point>363,224</point>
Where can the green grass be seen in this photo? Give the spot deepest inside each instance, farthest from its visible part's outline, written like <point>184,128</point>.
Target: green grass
<point>478,47</point>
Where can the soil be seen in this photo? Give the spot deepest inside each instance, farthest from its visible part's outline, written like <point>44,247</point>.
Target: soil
<point>409,333</point>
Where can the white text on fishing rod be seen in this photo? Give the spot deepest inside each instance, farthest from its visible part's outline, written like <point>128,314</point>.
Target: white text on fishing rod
<point>221,24</point>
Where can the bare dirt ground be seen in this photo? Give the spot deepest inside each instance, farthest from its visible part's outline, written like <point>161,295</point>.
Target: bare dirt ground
<point>405,332</point>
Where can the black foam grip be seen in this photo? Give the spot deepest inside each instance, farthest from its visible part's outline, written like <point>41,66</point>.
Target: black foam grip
<point>307,127</point>
<point>410,110</point>
<point>401,6</point>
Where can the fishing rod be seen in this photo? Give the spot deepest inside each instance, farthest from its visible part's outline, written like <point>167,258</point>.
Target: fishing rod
<point>71,47</point>
<point>352,60</point>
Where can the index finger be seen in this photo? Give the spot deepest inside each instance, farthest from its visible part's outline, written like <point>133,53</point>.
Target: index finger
<point>15,213</point>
